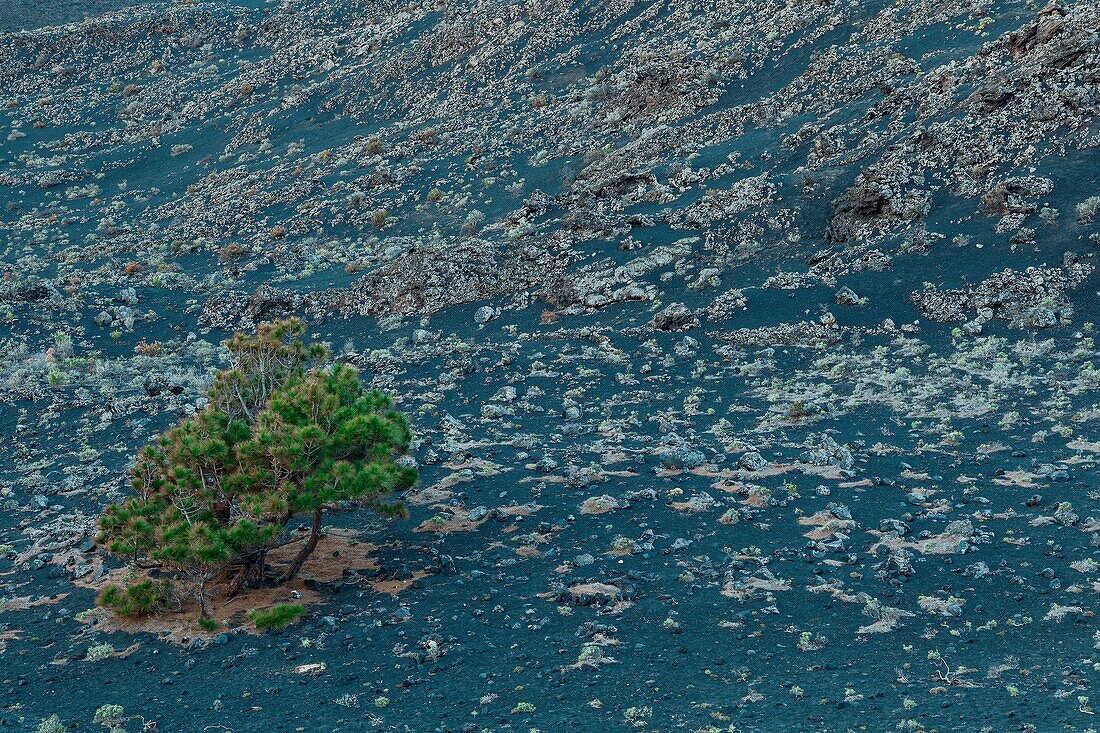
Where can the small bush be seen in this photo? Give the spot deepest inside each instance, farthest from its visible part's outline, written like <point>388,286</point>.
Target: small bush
<point>99,652</point>
<point>277,617</point>
<point>51,724</point>
<point>1087,209</point>
<point>139,599</point>
<point>109,715</point>
<point>208,624</point>
<point>148,348</point>
<point>797,410</point>
<point>230,252</point>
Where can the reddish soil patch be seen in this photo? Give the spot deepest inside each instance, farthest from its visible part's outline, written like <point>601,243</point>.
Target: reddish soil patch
<point>826,524</point>
<point>337,551</point>
<point>746,588</point>
<point>599,504</point>
<point>449,524</point>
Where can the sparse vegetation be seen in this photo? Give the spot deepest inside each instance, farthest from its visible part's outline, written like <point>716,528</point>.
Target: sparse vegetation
<point>1087,209</point>
<point>276,618</point>
<point>139,599</point>
<point>51,724</point>
<point>373,145</point>
<point>99,652</point>
<point>230,252</point>
<point>110,716</point>
<point>638,716</point>
<point>747,467</point>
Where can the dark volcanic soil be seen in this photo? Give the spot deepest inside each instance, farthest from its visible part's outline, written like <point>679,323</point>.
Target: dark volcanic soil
<point>749,347</point>
<point>22,15</point>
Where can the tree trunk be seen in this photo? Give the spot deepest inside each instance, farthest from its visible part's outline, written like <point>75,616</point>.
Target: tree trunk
<point>237,584</point>
<point>307,550</point>
<point>256,570</point>
<point>202,597</point>
<point>252,571</point>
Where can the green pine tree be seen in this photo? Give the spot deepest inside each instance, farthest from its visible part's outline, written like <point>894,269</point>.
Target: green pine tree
<point>283,435</point>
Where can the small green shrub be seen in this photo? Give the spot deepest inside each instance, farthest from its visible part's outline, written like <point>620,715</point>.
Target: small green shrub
<point>208,624</point>
<point>109,715</point>
<point>139,599</point>
<point>99,652</point>
<point>277,617</point>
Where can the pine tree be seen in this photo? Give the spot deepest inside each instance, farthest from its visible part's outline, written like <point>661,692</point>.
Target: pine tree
<point>325,440</point>
<point>282,435</point>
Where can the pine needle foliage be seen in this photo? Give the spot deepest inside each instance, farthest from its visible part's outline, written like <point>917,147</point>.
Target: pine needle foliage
<point>283,434</point>
<point>137,599</point>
